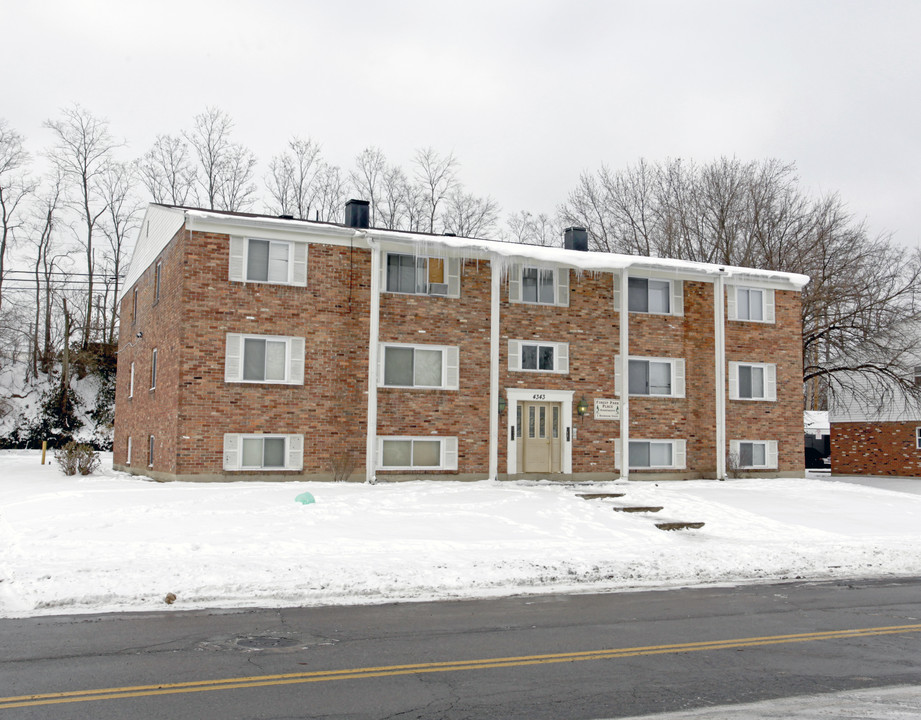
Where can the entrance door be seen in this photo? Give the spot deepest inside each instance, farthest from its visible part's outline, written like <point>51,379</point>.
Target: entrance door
<point>540,437</point>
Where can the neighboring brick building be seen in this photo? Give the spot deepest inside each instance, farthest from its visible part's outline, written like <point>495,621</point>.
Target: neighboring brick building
<point>254,346</point>
<point>875,439</point>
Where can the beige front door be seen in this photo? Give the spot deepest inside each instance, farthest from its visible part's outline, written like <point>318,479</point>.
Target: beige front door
<point>541,432</point>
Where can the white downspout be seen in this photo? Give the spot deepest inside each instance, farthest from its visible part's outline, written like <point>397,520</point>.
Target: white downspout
<point>719,336</point>
<point>624,324</point>
<point>494,372</point>
<point>373,344</point>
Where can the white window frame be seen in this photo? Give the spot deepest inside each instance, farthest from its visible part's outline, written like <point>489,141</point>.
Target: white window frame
<point>452,271</point>
<point>678,376</point>
<point>679,454</point>
<point>770,381</point>
<point>128,458</point>
<point>767,303</point>
<point>131,382</point>
<point>239,261</point>
<point>770,453</point>
<point>153,369</point>
<point>447,452</point>
<point>233,452</point>
<point>134,306</point>
<point>234,356</point>
<point>675,294</point>
<point>560,356</point>
<point>560,285</point>
<point>151,446</point>
<point>450,366</point>
<point>918,438</point>
<point>158,270</point>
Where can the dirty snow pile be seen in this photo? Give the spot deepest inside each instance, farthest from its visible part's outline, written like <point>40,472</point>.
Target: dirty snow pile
<point>111,541</point>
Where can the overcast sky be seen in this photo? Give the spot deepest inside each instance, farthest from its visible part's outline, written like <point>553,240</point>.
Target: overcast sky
<point>527,95</point>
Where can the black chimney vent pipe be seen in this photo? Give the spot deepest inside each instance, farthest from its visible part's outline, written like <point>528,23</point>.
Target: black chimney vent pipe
<point>357,214</point>
<point>575,238</point>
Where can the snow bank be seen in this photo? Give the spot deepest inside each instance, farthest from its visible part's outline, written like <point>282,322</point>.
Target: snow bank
<point>116,542</point>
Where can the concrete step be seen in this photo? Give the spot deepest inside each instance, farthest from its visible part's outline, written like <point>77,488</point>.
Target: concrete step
<point>639,509</point>
<point>599,496</point>
<point>679,525</point>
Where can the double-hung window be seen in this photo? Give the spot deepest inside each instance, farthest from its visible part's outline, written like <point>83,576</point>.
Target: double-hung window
<point>158,274</point>
<point>750,304</point>
<point>419,366</point>
<point>754,454</point>
<point>752,381</point>
<point>417,453</point>
<point>538,285</point>
<point>538,356</point>
<point>662,377</point>
<point>918,438</point>
<point>150,451</point>
<point>418,275</point>
<point>131,382</point>
<point>269,451</point>
<point>276,262</point>
<point>648,296</point>
<point>153,369</point>
<point>652,296</point>
<point>264,359</point>
<point>654,454</point>
<point>128,452</point>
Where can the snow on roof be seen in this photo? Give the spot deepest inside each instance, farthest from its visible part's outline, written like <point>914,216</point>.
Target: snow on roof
<point>162,222</point>
<point>816,420</point>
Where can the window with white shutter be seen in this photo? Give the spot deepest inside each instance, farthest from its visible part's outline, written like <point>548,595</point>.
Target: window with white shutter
<point>417,453</point>
<point>750,304</point>
<point>655,377</point>
<point>538,285</point>
<point>538,356</point>
<point>274,262</point>
<point>752,381</point>
<point>421,275</point>
<point>754,454</point>
<point>265,452</point>
<point>419,366</point>
<point>267,359</point>
<point>653,454</point>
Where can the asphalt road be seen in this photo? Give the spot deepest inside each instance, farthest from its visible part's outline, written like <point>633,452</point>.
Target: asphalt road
<point>556,656</point>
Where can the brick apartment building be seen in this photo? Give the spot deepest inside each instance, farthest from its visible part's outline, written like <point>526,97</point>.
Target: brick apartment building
<point>263,347</point>
<point>876,438</point>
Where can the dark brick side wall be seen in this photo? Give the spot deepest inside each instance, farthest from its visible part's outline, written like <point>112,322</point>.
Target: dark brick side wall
<point>779,343</point>
<point>884,448</point>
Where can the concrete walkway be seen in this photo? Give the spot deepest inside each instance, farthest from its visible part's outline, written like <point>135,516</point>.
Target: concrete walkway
<point>891,703</point>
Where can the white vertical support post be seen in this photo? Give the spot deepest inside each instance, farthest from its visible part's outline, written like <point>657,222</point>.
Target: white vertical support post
<point>719,341</point>
<point>494,370</point>
<point>373,344</point>
<point>624,324</point>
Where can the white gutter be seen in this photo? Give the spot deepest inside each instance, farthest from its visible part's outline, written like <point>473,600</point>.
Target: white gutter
<point>624,324</point>
<point>494,372</point>
<point>719,337</point>
<point>373,344</point>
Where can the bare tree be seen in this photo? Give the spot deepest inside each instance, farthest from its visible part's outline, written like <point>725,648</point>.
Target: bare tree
<point>227,168</point>
<point>437,176</point>
<point>166,170</point>
<point>293,179</point>
<point>14,188</point>
<point>467,215</point>
<point>367,179</point>
<point>393,206</point>
<point>116,185</point>
<point>41,233</point>
<point>331,191</point>
<point>862,308</point>
<point>82,149</point>
<point>529,229</point>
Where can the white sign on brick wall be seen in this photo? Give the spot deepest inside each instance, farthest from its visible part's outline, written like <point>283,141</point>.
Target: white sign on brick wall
<point>607,409</point>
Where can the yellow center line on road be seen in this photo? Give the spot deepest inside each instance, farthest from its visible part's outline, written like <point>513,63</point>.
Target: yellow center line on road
<point>435,667</point>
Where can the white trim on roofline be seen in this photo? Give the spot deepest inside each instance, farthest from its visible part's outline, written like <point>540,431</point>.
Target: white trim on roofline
<point>154,236</point>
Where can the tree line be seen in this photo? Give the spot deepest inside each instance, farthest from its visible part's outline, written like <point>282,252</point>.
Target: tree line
<point>65,234</point>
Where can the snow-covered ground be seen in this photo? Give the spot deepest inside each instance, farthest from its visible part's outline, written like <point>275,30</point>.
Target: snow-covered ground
<point>116,542</point>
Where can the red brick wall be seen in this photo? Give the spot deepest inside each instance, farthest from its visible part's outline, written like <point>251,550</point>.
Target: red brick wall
<point>151,412</point>
<point>193,407</point>
<point>885,448</point>
<point>779,343</point>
